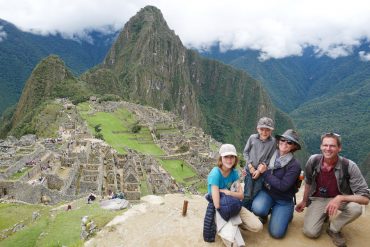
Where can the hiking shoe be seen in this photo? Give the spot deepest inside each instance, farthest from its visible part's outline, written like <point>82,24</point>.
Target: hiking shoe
<point>337,238</point>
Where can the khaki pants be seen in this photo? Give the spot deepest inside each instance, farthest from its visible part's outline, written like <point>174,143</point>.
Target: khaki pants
<point>316,215</point>
<point>250,222</point>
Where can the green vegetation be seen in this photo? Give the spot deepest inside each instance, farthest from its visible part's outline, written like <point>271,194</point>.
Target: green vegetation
<point>54,227</point>
<point>46,122</point>
<point>202,187</point>
<point>144,188</point>
<point>21,51</point>
<point>136,128</point>
<point>98,133</point>
<point>18,212</point>
<point>337,114</point>
<point>179,170</point>
<point>49,80</point>
<point>20,173</point>
<point>320,94</point>
<point>184,174</point>
<point>116,130</point>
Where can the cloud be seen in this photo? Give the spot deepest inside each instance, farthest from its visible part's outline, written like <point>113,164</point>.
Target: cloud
<point>275,28</point>
<point>2,34</point>
<point>364,56</point>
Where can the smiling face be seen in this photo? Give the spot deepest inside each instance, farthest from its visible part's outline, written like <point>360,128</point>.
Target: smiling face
<point>264,133</point>
<point>330,148</point>
<point>228,161</point>
<point>286,146</point>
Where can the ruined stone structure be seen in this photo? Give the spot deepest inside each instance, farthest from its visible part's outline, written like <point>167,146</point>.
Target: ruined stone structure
<point>75,164</point>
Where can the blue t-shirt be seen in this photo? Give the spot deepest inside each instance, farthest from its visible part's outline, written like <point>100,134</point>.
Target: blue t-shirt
<point>215,178</point>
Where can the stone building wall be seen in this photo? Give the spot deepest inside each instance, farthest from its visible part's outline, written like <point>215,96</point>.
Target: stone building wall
<point>54,182</point>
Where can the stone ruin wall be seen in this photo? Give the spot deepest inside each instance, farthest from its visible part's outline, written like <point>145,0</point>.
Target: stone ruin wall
<point>91,162</point>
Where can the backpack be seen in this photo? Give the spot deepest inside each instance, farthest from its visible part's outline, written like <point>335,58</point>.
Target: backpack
<point>345,165</point>
<point>316,161</point>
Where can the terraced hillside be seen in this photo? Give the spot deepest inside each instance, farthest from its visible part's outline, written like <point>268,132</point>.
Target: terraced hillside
<point>143,151</point>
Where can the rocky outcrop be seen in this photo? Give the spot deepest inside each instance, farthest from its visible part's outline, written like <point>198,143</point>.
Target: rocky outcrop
<point>164,225</point>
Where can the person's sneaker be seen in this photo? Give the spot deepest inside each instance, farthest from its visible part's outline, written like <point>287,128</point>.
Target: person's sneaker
<point>337,238</point>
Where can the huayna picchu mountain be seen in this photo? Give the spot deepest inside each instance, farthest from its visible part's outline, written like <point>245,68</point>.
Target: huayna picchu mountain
<point>149,65</point>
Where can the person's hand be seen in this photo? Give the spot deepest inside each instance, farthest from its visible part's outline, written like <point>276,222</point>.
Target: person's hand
<point>333,206</point>
<point>244,173</point>
<point>256,174</point>
<point>300,206</point>
<point>226,192</point>
<point>251,168</point>
<point>262,167</point>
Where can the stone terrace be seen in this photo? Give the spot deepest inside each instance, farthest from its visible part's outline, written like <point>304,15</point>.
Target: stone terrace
<point>76,164</point>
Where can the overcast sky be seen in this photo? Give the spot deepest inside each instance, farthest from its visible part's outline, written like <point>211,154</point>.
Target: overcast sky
<point>277,28</point>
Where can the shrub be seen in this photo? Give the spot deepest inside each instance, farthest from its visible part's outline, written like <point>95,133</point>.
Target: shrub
<point>136,128</point>
<point>99,136</point>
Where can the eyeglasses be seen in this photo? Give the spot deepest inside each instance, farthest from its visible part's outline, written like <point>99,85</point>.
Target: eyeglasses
<point>287,141</point>
<point>331,134</point>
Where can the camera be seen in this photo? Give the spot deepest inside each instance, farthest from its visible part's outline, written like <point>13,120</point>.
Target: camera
<point>323,191</point>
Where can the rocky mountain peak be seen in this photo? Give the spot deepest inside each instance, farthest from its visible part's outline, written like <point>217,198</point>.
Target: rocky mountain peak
<point>144,36</point>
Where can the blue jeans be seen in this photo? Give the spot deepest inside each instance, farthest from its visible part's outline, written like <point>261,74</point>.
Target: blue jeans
<point>281,212</point>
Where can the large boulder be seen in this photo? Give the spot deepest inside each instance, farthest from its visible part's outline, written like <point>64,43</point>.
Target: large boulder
<point>114,204</point>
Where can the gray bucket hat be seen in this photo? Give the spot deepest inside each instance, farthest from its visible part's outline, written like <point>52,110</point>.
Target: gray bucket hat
<point>290,135</point>
<point>265,122</point>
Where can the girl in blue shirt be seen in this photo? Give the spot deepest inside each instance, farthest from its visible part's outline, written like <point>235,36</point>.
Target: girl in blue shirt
<point>224,175</point>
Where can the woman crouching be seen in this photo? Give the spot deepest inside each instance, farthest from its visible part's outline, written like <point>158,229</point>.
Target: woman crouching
<point>279,185</point>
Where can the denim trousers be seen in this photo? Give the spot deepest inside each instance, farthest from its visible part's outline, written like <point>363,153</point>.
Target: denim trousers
<point>281,212</point>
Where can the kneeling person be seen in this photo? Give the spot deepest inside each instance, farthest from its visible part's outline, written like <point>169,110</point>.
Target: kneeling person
<point>334,186</point>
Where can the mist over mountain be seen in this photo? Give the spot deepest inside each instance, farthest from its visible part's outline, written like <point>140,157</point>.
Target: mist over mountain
<point>21,51</point>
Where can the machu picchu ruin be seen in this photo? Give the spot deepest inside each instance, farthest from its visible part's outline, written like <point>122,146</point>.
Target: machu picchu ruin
<point>73,163</point>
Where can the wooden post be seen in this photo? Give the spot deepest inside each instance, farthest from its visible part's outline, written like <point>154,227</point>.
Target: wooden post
<point>185,208</point>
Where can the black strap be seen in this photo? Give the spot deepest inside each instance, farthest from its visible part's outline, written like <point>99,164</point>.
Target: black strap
<point>345,165</point>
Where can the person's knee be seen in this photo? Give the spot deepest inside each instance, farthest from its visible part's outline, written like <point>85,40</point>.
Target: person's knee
<point>355,209</point>
<point>311,233</point>
<point>259,209</point>
<point>257,226</point>
<point>277,232</point>
<point>250,221</point>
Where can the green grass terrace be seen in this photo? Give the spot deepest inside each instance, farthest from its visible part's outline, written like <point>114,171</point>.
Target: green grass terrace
<point>116,130</point>
<point>54,227</point>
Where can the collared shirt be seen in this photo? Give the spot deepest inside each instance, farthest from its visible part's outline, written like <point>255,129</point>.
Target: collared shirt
<point>356,183</point>
<point>257,151</point>
<point>326,184</point>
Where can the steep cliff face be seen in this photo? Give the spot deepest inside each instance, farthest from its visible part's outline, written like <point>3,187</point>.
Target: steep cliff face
<point>49,80</point>
<point>148,64</point>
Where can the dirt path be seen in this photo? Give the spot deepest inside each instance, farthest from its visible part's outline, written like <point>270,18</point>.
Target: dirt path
<point>158,222</point>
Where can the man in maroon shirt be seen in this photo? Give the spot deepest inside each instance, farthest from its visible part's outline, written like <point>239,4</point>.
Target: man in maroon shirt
<point>335,188</point>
